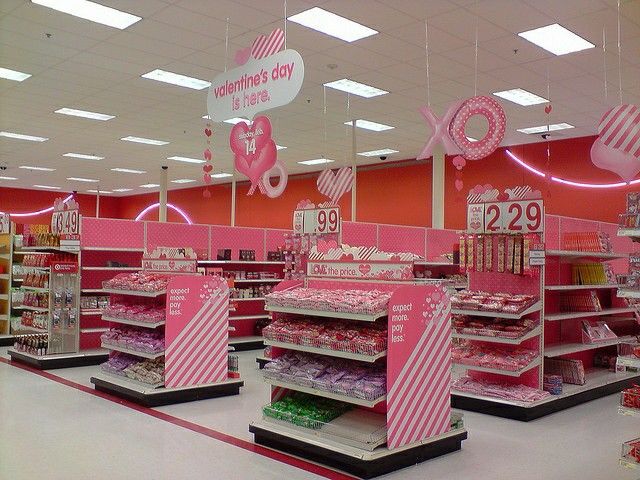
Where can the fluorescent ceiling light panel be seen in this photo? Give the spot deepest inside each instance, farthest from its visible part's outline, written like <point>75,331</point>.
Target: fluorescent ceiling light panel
<point>235,120</point>
<point>280,147</point>
<point>82,156</point>
<point>356,88</point>
<point>99,191</point>
<point>521,97</point>
<point>127,170</point>
<point>47,186</point>
<point>122,189</point>
<point>377,153</point>
<point>546,128</point>
<point>147,141</point>
<point>185,159</point>
<point>149,185</point>
<point>20,136</point>
<point>183,180</point>
<point>368,125</point>
<point>176,79</point>
<point>317,161</point>
<point>80,179</point>
<point>8,178</point>
<point>92,11</point>
<point>41,169</point>
<point>221,175</point>
<point>331,24</point>
<point>13,74</point>
<point>84,114</point>
<point>556,39</point>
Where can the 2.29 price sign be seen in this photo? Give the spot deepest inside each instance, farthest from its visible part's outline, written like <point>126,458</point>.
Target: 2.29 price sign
<point>319,221</point>
<point>65,222</point>
<point>521,216</point>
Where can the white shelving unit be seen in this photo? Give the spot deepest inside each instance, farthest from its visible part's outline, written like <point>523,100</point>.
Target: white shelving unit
<point>507,341</point>
<point>326,351</point>
<point>323,393</point>
<point>484,313</point>
<point>137,353</point>
<point>134,293</point>
<point>135,323</point>
<point>553,317</point>
<point>510,373</point>
<point>582,287</point>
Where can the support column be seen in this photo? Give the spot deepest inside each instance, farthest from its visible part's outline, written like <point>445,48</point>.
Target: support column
<point>354,168</point>
<point>233,201</point>
<point>437,189</point>
<point>98,204</point>
<point>162,212</point>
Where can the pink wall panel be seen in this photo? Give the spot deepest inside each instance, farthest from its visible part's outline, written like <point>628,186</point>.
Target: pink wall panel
<point>552,232</point>
<point>274,239</point>
<point>439,242</point>
<point>237,238</point>
<point>178,235</point>
<point>395,238</point>
<point>111,233</point>
<point>359,234</point>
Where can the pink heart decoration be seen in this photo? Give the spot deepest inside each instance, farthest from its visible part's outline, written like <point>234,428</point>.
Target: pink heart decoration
<point>207,168</point>
<point>619,129</point>
<point>364,268</point>
<point>206,193</point>
<point>242,136</point>
<point>207,155</point>
<point>264,46</point>
<point>459,162</point>
<point>261,163</point>
<point>207,132</point>
<point>503,197</point>
<point>475,225</point>
<point>207,178</point>
<point>618,161</point>
<point>548,109</point>
<point>459,185</point>
<point>335,184</point>
<point>242,56</point>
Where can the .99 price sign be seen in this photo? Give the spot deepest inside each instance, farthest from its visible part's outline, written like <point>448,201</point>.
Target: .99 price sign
<point>523,216</point>
<point>65,222</point>
<point>318,221</point>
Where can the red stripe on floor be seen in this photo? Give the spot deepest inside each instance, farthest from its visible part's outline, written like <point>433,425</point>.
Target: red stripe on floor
<point>223,437</point>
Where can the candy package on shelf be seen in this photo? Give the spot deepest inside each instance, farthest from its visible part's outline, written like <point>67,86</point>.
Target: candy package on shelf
<point>630,397</point>
<point>599,331</point>
<point>138,281</point>
<point>138,310</point>
<point>138,339</point>
<point>521,393</point>
<point>329,374</point>
<point>146,371</point>
<point>592,274</point>
<point>580,301</point>
<point>492,327</point>
<point>492,302</point>
<point>348,301</point>
<point>305,410</point>
<point>571,370</point>
<point>552,384</point>
<point>331,335</point>
<point>587,242</point>
<point>492,357</point>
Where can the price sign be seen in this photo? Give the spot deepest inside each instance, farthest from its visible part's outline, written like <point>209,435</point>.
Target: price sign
<point>521,216</point>
<point>65,222</point>
<point>319,221</point>
<point>5,223</point>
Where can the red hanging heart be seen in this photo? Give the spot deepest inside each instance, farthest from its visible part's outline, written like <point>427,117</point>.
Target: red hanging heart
<point>207,155</point>
<point>548,109</point>
<point>206,193</point>
<point>207,178</point>
<point>207,132</point>
<point>207,168</point>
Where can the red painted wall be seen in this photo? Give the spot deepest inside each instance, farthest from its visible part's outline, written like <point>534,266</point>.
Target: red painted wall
<point>397,193</point>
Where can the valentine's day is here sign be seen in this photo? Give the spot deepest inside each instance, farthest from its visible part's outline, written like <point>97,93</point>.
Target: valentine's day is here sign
<point>259,85</point>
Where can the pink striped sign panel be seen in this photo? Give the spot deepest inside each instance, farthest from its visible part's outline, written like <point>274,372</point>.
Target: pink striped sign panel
<point>418,364</point>
<point>620,129</point>
<point>196,331</point>
<point>266,45</point>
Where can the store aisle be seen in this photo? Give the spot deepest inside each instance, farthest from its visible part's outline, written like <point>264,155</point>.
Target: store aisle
<point>43,422</point>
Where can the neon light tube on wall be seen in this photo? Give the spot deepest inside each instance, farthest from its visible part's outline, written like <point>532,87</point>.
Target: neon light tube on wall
<point>39,212</point>
<point>169,205</point>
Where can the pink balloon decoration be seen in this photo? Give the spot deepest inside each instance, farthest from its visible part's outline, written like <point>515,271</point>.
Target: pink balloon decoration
<point>268,189</point>
<point>618,161</point>
<point>207,178</point>
<point>207,155</point>
<point>493,113</point>
<point>242,56</point>
<point>459,185</point>
<point>440,128</point>
<point>459,162</point>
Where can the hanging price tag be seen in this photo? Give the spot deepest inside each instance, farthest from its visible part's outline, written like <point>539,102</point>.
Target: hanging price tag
<point>318,221</point>
<point>65,222</point>
<point>518,216</point>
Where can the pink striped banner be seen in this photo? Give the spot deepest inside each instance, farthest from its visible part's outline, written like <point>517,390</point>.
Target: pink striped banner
<point>196,332</point>
<point>620,129</point>
<point>264,45</point>
<point>418,365</point>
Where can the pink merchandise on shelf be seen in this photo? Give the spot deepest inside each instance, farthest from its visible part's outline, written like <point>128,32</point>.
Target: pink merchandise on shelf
<point>330,335</point>
<point>141,340</point>
<point>138,281</point>
<point>492,357</point>
<point>492,327</point>
<point>349,301</point>
<point>492,302</point>
<point>520,393</point>
<point>141,312</point>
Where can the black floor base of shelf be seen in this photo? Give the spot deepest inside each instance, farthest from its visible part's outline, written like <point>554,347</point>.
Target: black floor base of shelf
<point>244,346</point>
<point>526,414</point>
<point>6,340</point>
<point>261,361</point>
<point>354,466</point>
<point>63,361</point>
<point>167,396</point>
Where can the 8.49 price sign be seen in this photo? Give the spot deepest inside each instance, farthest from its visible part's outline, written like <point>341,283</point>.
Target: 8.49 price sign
<point>65,222</point>
<point>517,216</point>
<point>319,221</point>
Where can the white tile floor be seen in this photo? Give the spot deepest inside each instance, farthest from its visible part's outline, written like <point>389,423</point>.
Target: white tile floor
<point>52,431</point>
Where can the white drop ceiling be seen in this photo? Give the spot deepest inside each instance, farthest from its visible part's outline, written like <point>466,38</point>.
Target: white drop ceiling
<point>83,65</point>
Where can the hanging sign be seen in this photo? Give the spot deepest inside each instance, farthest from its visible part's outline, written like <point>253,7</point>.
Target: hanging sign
<point>537,255</point>
<point>170,259</point>
<point>524,216</point>
<point>317,221</point>
<point>5,223</point>
<point>65,219</point>
<point>258,85</point>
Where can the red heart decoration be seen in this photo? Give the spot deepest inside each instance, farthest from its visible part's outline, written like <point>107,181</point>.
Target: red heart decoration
<point>242,136</point>
<point>207,168</point>
<point>207,155</point>
<point>206,193</point>
<point>207,178</point>
<point>364,268</point>
<point>547,109</point>
<point>503,197</point>
<point>264,161</point>
<point>207,132</point>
